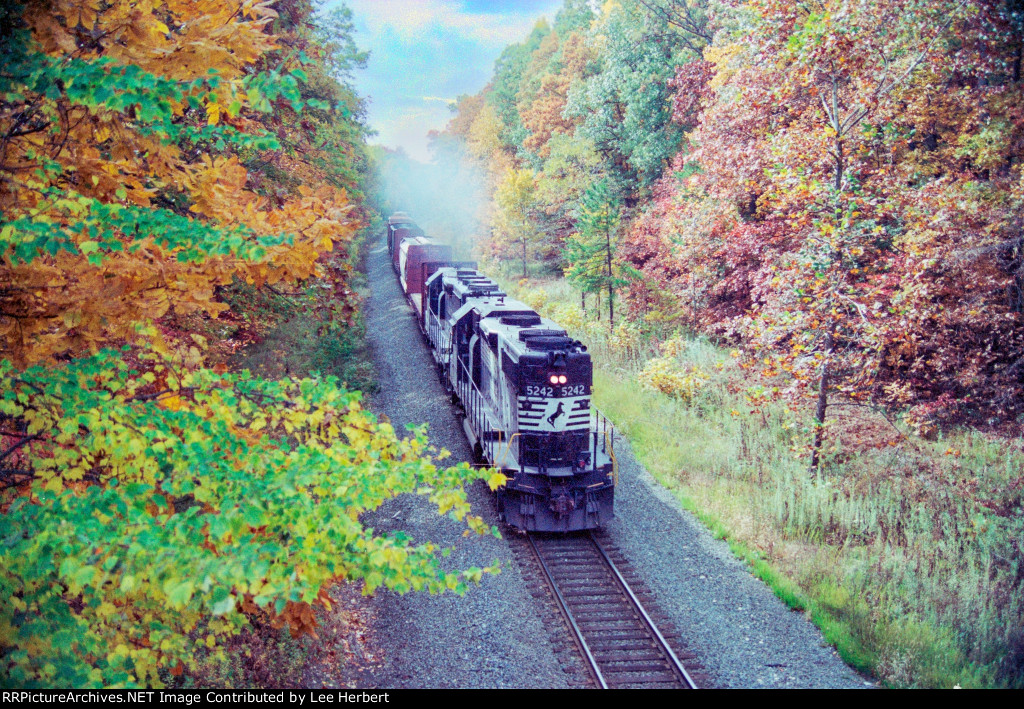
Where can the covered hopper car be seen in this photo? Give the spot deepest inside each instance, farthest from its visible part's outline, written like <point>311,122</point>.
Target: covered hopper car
<point>523,386</point>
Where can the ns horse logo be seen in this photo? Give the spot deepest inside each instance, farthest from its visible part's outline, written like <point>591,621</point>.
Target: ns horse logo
<point>559,412</point>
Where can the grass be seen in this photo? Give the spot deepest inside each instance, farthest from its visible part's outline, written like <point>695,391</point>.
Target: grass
<point>905,552</point>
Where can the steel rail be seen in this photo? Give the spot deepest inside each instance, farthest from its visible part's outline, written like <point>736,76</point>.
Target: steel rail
<point>567,614</point>
<point>677,666</point>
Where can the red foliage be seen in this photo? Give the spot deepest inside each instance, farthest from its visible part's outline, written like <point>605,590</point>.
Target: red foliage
<point>691,88</point>
<point>854,173</point>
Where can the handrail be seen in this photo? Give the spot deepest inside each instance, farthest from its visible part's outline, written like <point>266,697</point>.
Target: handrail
<point>473,402</point>
<point>615,461</point>
<point>508,445</point>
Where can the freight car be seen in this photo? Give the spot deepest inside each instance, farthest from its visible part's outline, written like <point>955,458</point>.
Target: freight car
<point>524,387</point>
<point>400,226</point>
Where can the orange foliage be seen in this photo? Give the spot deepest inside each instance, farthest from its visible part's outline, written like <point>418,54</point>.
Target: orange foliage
<point>79,299</point>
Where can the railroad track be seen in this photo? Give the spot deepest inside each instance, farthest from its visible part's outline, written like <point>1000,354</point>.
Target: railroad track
<point>617,637</point>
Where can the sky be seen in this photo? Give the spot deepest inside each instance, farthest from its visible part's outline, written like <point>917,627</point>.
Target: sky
<point>425,53</point>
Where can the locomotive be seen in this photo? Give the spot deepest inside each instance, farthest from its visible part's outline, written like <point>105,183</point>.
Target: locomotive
<point>522,384</point>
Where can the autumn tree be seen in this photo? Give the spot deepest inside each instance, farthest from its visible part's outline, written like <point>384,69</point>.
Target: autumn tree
<point>824,178</point>
<point>571,166</point>
<point>514,217</point>
<point>542,112</point>
<point>509,70</point>
<point>150,499</point>
<point>834,189</point>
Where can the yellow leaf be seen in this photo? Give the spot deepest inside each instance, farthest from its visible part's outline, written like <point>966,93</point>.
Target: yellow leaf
<point>173,403</point>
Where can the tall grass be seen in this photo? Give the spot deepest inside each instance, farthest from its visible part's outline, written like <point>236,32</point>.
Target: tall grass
<point>905,552</point>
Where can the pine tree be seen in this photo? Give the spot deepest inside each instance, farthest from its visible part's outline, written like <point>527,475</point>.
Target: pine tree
<point>590,252</point>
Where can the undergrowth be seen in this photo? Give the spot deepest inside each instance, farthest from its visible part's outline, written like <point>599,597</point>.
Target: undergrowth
<point>305,331</point>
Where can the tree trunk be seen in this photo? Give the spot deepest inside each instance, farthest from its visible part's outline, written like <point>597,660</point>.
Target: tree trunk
<point>693,305</point>
<point>608,261</point>
<point>611,307</point>
<point>1017,62</point>
<point>822,410</point>
<point>840,159</point>
<point>524,257</point>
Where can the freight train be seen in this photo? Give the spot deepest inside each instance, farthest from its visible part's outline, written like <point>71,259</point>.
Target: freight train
<point>522,385</point>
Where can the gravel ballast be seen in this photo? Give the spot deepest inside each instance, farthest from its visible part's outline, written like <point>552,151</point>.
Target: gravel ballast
<point>741,633</point>
<point>497,635</point>
<point>493,636</point>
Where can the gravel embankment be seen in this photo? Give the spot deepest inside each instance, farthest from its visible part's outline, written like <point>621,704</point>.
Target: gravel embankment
<point>498,634</point>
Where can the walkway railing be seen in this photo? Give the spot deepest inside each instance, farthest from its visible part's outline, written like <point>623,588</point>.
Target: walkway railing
<point>439,338</point>
<point>474,405</point>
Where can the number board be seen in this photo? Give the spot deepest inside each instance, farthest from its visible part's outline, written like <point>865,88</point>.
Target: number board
<point>556,391</point>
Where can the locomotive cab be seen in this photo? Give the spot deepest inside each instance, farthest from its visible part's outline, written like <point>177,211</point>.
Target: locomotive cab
<point>554,408</point>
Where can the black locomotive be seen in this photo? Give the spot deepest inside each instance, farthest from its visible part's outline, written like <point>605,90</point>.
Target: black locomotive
<point>523,385</point>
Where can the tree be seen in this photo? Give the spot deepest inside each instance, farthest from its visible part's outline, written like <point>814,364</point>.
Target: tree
<point>158,516</point>
<point>573,16</point>
<point>625,108</point>
<point>569,169</point>
<point>509,70</point>
<point>543,113</point>
<point>151,503</point>
<point>514,217</point>
<point>830,319</point>
<point>590,254</point>
<point>825,163</point>
<point>96,240</point>
<point>687,17</point>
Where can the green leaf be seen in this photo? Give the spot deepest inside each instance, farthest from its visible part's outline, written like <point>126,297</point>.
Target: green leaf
<point>224,606</point>
<point>179,592</point>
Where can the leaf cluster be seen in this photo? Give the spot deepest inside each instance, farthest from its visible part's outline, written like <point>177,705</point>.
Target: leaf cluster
<point>166,505</point>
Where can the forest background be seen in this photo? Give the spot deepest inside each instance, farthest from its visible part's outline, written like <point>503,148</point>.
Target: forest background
<point>791,234</point>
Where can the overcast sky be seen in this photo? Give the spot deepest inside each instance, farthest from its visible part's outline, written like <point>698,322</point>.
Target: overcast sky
<point>425,53</point>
